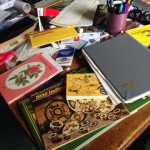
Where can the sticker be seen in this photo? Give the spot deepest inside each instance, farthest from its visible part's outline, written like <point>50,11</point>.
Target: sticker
<point>90,105</point>
<point>93,124</point>
<point>84,123</point>
<point>57,111</point>
<point>71,128</point>
<point>78,116</point>
<point>106,106</point>
<point>56,126</point>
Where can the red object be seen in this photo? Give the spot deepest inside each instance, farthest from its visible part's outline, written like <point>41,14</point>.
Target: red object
<point>50,12</point>
<point>77,39</point>
<point>33,70</point>
<point>13,89</point>
<point>4,57</point>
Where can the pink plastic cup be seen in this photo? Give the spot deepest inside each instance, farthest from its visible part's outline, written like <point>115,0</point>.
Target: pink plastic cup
<point>116,22</point>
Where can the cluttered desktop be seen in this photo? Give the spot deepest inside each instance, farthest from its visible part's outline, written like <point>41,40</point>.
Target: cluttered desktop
<point>74,74</point>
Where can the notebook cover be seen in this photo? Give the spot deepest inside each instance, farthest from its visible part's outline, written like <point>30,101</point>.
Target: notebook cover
<point>84,86</point>
<point>25,77</point>
<point>124,64</point>
<point>141,34</point>
<point>29,116</point>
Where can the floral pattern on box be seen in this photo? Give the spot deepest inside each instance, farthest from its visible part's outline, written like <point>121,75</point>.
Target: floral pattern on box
<point>25,75</point>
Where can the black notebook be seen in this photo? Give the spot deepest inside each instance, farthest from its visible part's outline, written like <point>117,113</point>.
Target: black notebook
<point>123,67</point>
<point>16,29</point>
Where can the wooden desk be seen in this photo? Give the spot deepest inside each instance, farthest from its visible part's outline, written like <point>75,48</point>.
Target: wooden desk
<point>118,137</point>
<point>124,133</point>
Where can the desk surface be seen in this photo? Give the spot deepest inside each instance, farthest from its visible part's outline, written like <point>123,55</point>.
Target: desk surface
<point>119,137</point>
<point>12,136</point>
<point>124,133</point>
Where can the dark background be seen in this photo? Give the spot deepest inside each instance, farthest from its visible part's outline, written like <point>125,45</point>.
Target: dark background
<point>12,135</point>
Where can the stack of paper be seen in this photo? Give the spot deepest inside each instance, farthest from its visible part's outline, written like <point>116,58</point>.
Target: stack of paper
<point>123,70</point>
<point>78,13</point>
<point>46,3</point>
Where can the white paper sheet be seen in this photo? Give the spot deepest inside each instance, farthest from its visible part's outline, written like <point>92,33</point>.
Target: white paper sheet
<point>78,13</point>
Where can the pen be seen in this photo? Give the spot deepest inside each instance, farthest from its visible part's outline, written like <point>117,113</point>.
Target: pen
<point>128,2</point>
<point>110,5</point>
<point>124,9</point>
<point>120,8</point>
<point>117,8</point>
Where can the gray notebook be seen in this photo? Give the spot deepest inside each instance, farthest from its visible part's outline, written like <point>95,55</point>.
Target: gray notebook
<point>123,65</point>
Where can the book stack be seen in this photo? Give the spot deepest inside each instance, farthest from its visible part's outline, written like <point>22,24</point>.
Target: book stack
<point>122,70</point>
<point>29,114</point>
<point>60,122</point>
<point>68,112</point>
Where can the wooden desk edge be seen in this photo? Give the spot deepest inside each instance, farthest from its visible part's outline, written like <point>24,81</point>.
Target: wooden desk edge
<point>124,133</point>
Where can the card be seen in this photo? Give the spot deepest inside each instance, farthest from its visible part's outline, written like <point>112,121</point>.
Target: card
<point>25,77</point>
<point>91,38</point>
<point>65,56</point>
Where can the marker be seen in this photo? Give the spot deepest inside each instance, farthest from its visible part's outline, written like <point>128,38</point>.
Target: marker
<point>121,9</point>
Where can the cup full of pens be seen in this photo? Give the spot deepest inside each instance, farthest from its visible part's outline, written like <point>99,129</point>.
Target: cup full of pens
<point>117,15</point>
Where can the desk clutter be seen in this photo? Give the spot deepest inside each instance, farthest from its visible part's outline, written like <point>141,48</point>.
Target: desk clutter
<point>74,73</point>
